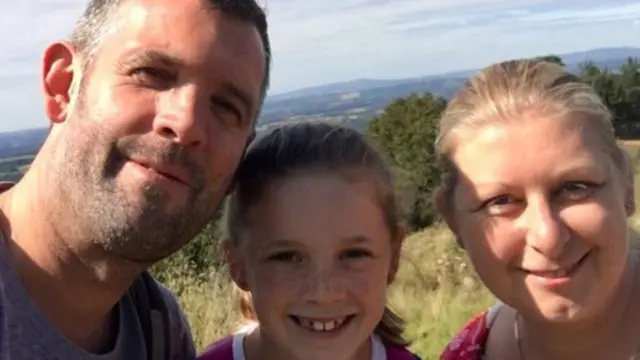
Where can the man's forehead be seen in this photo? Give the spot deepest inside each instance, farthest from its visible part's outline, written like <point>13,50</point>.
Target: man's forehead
<point>181,24</point>
<point>154,15</point>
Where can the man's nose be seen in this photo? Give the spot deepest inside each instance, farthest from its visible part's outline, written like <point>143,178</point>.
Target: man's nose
<point>180,119</point>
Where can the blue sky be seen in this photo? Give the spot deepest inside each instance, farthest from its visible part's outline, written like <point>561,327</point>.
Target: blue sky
<point>323,41</point>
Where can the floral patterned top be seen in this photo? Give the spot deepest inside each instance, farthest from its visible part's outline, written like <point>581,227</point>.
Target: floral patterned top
<point>470,343</point>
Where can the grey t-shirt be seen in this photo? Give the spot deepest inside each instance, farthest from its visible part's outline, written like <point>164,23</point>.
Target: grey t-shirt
<point>26,334</point>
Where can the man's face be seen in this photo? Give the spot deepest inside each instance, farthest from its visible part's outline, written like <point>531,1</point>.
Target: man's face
<point>164,112</point>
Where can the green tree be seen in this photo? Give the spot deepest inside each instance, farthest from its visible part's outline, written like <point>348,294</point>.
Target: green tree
<point>406,131</point>
<point>552,58</point>
<point>196,259</point>
<point>620,90</point>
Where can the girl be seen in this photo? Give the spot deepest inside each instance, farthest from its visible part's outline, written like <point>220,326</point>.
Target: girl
<point>314,240</point>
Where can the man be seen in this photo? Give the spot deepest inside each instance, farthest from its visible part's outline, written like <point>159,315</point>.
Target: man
<point>151,104</point>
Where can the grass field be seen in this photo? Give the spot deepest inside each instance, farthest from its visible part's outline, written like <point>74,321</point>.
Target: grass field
<point>436,291</point>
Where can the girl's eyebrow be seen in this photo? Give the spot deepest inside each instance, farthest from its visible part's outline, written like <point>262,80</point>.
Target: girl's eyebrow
<point>291,243</point>
<point>279,243</point>
<point>357,239</point>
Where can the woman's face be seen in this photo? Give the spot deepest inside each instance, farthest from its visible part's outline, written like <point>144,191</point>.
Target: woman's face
<point>542,211</point>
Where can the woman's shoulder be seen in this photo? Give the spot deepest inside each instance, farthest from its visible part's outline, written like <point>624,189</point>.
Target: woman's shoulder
<point>470,342</point>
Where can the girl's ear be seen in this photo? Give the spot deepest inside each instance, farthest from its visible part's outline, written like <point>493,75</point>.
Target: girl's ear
<point>396,253</point>
<point>237,270</point>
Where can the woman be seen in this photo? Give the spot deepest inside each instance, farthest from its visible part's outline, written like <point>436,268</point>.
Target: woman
<point>538,194</point>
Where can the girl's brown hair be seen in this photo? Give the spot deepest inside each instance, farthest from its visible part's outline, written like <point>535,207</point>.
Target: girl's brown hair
<point>304,147</point>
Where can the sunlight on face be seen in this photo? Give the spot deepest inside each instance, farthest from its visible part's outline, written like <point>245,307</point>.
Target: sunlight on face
<point>164,116</point>
<point>318,255</point>
<point>540,209</point>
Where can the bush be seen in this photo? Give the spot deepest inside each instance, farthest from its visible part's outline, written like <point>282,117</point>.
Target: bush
<point>196,260</point>
<point>406,131</point>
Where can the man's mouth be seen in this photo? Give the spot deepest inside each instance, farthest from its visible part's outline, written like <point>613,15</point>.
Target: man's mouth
<point>168,171</point>
<point>324,325</point>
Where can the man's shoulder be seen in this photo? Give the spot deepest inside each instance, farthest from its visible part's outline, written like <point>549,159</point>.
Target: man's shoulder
<point>160,314</point>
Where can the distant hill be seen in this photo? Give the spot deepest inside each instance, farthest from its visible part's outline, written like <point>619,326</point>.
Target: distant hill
<point>352,102</point>
<point>604,57</point>
<point>23,142</point>
<point>358,100</point>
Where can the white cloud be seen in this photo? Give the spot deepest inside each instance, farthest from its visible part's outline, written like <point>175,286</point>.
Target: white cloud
<point>319,41</point>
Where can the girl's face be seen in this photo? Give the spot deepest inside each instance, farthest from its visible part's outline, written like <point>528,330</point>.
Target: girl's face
<point>317,258</point>
<point>542,212</point>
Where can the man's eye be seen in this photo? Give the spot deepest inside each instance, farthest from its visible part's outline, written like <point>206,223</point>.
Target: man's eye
<point>153,76</point>
<point>226,109</point>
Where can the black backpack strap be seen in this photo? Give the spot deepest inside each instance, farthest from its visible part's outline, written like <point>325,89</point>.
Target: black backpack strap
<point>152,313</point>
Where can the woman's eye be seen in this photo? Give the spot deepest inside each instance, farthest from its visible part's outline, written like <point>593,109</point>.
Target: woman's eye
<point>499,205</point>
<point>576,190</point>
<point>286,256</point>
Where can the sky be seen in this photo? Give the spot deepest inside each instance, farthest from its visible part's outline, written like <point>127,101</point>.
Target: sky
<point>324,41</point>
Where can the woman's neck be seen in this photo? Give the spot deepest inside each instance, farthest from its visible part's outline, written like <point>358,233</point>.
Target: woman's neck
<point>612,334</point>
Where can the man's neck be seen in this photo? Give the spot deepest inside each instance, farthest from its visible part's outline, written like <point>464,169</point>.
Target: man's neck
<point>74,286</point>
<point>612,333</point>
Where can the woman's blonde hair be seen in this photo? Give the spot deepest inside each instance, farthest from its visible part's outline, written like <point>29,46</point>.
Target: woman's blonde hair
<point>506,91</point>
<point>309,147</point>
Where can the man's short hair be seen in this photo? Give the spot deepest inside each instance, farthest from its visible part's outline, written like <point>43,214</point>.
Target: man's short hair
<point>93,23</point>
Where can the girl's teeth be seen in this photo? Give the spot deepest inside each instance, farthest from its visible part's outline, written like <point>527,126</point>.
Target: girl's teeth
<point>321,326</point>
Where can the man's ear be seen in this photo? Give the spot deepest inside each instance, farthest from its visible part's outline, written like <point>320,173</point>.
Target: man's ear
<point>444,208</point>
<point>59,71</point>
<point>396,254</point>
<point>237,269</point>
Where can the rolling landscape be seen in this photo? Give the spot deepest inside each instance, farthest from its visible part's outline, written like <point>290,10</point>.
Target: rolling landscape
<point>353,102</point>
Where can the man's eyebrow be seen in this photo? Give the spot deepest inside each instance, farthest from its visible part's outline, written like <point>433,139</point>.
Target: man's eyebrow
<point>153,57</point>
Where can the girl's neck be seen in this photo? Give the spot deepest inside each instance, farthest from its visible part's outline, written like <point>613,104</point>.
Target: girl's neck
<point>258,346</point>
<point>615,329</point>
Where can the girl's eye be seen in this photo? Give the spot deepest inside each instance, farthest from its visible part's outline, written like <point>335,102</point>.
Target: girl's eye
<point>286,256</point>
<point>357,254</point>
<point>576,190</point>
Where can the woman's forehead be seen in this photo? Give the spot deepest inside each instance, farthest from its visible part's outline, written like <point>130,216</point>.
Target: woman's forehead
<point>542,148</point>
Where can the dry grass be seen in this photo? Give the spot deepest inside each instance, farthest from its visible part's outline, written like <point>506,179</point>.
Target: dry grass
<point>436,291</point>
